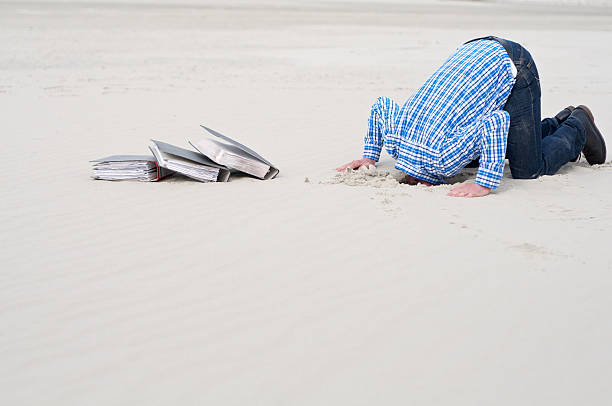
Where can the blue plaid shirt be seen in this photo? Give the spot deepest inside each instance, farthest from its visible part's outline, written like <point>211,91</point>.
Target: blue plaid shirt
<point>454,118</point>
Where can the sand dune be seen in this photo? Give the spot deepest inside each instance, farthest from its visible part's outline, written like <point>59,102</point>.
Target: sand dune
<point>288,292</point>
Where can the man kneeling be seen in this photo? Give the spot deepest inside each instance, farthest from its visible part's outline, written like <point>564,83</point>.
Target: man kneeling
<point>482,104</point>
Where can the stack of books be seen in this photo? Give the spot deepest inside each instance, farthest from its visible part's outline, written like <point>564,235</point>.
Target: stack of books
<point>213,160</point>
<point>143,168</point>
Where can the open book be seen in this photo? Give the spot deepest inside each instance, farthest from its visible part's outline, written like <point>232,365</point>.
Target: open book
<point>188,163</point>
<point>128,167</point>
<point>227,152</point>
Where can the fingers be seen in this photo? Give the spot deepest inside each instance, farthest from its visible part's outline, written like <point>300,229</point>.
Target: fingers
<point>459,191</point>
<point>468,190</point>
<point>460,194</point>
<point>343,167</point>
<point>353,165</point>
<point>455,193</point>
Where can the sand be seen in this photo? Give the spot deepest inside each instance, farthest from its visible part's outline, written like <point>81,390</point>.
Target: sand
<point>371,176</point>
<point>288,292</point>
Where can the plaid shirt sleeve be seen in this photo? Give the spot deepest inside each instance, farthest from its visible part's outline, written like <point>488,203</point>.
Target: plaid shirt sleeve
<point>381,129</point>
<point>494,134</point>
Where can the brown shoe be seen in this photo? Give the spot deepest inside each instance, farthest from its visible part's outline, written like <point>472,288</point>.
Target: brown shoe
<point>595,147</point>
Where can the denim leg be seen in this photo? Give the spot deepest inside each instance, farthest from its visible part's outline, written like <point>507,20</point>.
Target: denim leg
<point>549,126</point>
<point>524,149</point>
<point>536,147</point>
<point>563,144</point>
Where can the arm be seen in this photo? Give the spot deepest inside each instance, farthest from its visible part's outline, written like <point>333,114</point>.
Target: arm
<point>493,149</point>
<point>381,131</point>
<point>380,125</point>
<point>493,135</point>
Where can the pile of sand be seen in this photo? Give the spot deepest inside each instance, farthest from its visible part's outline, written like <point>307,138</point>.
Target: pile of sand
<point>372,176</point>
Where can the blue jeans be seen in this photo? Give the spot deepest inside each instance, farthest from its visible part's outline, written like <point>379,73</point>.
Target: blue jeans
<point>535,147</point>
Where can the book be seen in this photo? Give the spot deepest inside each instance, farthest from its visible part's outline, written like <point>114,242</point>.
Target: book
<point>142,168</point>
<point>189,163</point>
<point>233,155</point>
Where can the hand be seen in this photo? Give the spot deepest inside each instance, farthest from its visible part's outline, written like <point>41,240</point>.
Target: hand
<point>367,162</point>
<point>469,190</point>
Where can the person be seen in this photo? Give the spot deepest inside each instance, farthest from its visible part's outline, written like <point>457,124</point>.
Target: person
<point>481,107</point>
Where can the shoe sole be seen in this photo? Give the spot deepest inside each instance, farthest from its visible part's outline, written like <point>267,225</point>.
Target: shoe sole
<point>597,132</point>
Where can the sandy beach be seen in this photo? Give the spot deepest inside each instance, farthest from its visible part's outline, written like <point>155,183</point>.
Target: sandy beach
<point>298,290</point>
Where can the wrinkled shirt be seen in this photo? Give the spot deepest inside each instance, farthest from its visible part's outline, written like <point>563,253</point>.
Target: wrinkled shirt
<point>454,118</point>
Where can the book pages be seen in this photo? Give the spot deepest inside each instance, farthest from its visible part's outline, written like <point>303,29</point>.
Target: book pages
<point>126,167</point>
<point>188,163</point>
<point>231,156</point>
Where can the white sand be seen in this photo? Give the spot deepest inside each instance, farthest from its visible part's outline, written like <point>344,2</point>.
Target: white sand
<point>372,177</point>
<point>288,292</point>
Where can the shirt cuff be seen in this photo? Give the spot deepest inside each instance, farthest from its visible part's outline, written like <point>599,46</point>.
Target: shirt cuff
<point>490,175</point>
<point>372,151</point>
